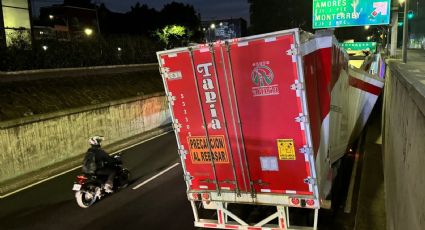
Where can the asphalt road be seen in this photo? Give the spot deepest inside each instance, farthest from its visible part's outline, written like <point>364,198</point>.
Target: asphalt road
<point>159,204</point>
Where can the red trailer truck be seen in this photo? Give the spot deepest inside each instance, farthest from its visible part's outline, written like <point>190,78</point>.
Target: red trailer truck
<point>250,115</point>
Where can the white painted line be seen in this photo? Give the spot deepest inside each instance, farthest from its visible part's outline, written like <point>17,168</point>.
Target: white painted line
<point>349,200</point>
<point>70,170</point>
<point>154,177</point>
<point>38,182</point>
<point>131,146</point>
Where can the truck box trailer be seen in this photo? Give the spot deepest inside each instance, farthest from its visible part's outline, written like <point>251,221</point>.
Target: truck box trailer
<point>252,118</point>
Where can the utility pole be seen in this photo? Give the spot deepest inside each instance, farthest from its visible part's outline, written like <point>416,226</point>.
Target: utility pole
<point>394,32</point>
<point>405,32</point>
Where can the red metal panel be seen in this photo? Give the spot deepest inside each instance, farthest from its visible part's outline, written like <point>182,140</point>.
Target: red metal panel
<point>186,110</point>
<point>211,101</point>
<point>263,74</point>
<point>198,104</point>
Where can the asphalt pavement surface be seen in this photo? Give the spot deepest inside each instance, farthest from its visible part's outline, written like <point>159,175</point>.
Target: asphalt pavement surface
<point>159,204</point>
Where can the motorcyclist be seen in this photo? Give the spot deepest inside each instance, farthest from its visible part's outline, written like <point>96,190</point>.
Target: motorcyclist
<point>103,162</point>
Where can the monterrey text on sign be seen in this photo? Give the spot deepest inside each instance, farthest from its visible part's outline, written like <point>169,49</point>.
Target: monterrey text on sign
<point>341,13</point>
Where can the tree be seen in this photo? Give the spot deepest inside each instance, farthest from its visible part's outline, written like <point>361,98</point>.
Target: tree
<point>147,19</point>
<point>173,35</point>
<point>184,15</point>
<point>273,15</point>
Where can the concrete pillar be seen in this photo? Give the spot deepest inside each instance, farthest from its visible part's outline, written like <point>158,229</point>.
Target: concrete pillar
<point>394,31</point>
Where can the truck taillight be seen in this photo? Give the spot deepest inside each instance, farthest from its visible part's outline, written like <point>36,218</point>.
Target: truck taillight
<point>205,196</point>
<point>310,202</point>
<point>295,201</point>
<point>196,196</point>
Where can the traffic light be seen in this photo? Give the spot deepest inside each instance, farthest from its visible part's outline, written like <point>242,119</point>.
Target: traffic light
<point>410,14</point>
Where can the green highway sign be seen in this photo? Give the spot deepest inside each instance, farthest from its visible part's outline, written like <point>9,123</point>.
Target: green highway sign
<point>355,46</point>
<point>342,13</point>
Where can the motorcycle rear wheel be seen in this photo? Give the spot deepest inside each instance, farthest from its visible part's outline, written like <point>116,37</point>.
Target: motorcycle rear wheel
<point>85,199</point>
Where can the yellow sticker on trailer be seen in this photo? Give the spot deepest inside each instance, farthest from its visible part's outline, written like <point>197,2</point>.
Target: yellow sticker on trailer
<point>286,149</point>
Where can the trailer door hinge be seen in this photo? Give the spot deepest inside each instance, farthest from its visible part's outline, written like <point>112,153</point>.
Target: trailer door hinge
<point>176,125</point>
<point>306,150</point>
<point>171,98</point>
<point>301,119</point>
<point>188,177</point>
<point>293,52</point>
<point>310,180</point>
<point>182,152</point>
<point>165,71</point>
<point>297,86</point>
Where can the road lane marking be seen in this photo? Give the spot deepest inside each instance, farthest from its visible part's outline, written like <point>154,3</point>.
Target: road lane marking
<point>75,168</point>
<point>154,177</point>
<point>131,146</point>
<point>349,200</point>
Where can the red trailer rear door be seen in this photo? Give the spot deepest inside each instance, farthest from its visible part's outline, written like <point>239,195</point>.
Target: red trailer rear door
<point>193,88</point>
<point>273,116</point>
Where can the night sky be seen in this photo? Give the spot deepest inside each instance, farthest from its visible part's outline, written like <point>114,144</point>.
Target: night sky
<point>209,9</point>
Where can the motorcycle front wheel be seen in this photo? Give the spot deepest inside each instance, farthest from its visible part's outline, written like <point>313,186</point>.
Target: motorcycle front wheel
<point>85,199</point>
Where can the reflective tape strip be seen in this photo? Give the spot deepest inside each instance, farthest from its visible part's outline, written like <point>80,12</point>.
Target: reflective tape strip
<point>243,44</point>
<point>210,225</point>
<point>203,50</point>
<point>365,86</point>
<point>272,39</point>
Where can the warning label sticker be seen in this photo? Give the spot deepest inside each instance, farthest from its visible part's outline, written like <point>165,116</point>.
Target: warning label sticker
<point>200,152</point>
<point>286,149</point>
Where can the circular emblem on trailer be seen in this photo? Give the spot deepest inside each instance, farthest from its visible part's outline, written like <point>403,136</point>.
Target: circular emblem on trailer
<point>262,75</point>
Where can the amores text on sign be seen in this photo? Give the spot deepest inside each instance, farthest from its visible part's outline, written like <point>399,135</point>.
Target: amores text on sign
<point>199,149</point>
<point>210,94</point>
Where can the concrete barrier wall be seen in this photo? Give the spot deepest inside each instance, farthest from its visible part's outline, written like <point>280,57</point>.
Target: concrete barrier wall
<point>32,143</point>
<point>404,146</point>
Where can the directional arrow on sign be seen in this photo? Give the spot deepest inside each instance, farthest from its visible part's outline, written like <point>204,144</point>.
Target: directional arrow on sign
<point>380,7</point>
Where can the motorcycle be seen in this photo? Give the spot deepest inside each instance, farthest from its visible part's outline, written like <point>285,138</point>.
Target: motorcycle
<point>90,187</point>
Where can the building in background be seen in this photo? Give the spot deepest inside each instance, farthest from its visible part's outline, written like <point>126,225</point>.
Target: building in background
<point>224,29</point>
<point>15,22</point>
<point>417,24</point>
<point>67,22</point>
